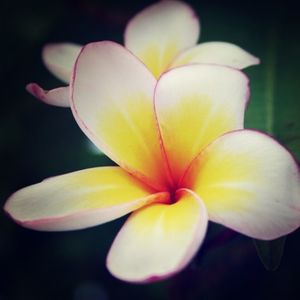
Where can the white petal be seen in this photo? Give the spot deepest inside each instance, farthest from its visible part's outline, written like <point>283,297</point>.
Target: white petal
<point>80,199</point>
<point>220,53</point>
<point>113,104</point>
<point>249,183</point>
<point>196,104</point>
<point>159,32</point>
<point>159,240</point>
<point>60,59</point>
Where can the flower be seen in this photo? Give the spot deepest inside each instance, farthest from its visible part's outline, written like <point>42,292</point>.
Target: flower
<point>163,36</point>
<point>184,158</point>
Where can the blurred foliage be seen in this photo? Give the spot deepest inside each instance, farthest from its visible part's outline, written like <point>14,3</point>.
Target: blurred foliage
<point>39,141</point>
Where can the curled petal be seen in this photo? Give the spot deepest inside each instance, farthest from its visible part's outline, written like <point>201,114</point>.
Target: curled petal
<point>112,101</point>
<point>159,32</point>
<point>194,105</point>
<point>60,59</point>
<point>219,53</point>
<point>56,97</point>
<point>159,240</point>
<point>79,200</point>
<point>249,183</point>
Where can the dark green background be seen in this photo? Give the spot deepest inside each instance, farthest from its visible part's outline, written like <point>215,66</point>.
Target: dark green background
<point>38,141</point>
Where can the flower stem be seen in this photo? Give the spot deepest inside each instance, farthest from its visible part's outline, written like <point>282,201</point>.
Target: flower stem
<point>271,60</point>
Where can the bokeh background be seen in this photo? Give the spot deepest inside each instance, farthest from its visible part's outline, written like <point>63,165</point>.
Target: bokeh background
<point>39,141</point>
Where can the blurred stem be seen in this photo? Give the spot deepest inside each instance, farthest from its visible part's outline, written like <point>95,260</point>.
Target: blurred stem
<point>270,252</point>
<point>271,59</point>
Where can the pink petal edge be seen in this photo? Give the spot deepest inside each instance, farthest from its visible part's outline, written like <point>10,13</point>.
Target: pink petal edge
<point>86,218</point>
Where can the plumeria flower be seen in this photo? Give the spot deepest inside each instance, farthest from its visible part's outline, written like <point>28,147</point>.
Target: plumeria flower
<point>163,36</point>
<point>184,158</point>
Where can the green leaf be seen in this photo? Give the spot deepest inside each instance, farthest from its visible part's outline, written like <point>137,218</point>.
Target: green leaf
<point>274,108</point>
<point>275,102</point>
<point>274,105</point>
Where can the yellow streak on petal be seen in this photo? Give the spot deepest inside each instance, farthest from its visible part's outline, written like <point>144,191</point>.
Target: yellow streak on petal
<point>221,181</point>
<point>196,121</point>
<point>167,219</point>
<point>157,59</point>
<point>131,132</point>
<point>95,188</point>
<point>76,192</point>
<point>80,199</point>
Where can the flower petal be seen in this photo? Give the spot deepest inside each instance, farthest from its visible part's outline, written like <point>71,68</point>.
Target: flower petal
<point>113,104</point>
<point>60,59</point>
<point>79,199</point>
<point>220,53</point>
<point>159,32</point>
<point>194,105</point>
<point>159,240</point>
<point>57,97</point>
<point>249,183</point>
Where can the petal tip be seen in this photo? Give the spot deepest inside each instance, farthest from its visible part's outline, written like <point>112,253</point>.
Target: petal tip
<point>254,62</point>
<point>146,280</point>
<point>35,90</point>
<point>257,61</point>
<point>57,97</point>
<point>9,212</point>
<point>6,209</point>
